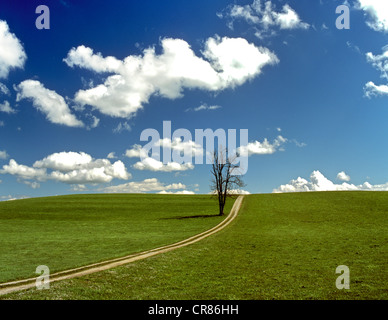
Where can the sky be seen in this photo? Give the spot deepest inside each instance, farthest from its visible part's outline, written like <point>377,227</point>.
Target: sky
<point>80,81</point>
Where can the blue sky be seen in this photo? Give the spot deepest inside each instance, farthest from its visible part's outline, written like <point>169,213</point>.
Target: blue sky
<point>313,97</point>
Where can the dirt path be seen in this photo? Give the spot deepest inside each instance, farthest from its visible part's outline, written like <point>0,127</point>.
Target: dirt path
<point>13,286</point>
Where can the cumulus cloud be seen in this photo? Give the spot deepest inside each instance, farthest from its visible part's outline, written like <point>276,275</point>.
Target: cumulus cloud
<point>380,63</point>
<point>342,176</point>
<point>147,185</point>
<point>136,152</point>
<point>225,63</point>
<point>152,164</point>
<point>373,90</point>
<point>264,17</point>
<point>264,147</point>
<point>24,172</point>
<point>70,168</point>
<point>176,145</point>
<point>81,168</point>
<point>185,192</point>
<point>288,19</point>
<point>6,107</point>
<point>85,57</point>
<point>111,155</point>
<point>48,102</point>
<point>12,54</point>
<point>377,12</point>
<point>318,182</point>
<point>64,161</point>
<point>239,192</point>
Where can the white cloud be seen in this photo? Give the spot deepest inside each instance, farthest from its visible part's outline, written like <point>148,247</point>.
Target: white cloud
<point>234,192</point>
<point>70,168</point>
<point>204,107</point>
<point>24,172</point>
<point>380,63</point>
<point>85,57</point>
<point>95,122</point>
<point>176,145</point>
<point>372,90</point>
<point>111,155</point>
<point>148,185</point>
<point>47,101</point>
<point>264,147</point>
<point>185,192</point>
<point>185,147</point>
<point>82,176</point>
<point>239,191</point>
<point>265,17</point>
<point>230,62</point>
<point>64,161</point>
<point>80,168</point>
<point>377,11</point>
<point>289,19</point>
<point>122,126</point>
<point>11,198</point>
<point>3,154</point>
<point>236,60</point>
<point>343,176</point>
<point>135,152</point>
<point>12,54</point>
<point>6,107</point>
<point>318,182</point>
<point>4,89</point>
<point>152,164</point>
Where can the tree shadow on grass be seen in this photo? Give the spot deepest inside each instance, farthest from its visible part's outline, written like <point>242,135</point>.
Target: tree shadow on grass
<point>191,217</point>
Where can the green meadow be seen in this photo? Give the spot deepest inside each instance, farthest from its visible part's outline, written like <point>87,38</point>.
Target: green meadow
<point>281,246</point>
<point>69,231</point>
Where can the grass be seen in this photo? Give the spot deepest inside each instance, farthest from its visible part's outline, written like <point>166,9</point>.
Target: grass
<point>69,231</point>
<point>281,246</point>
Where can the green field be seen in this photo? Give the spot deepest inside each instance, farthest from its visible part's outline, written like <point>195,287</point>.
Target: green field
<point>69,231</point>
<point>281,246</point>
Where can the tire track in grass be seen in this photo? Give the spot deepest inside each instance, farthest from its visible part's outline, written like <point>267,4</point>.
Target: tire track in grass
<point>25,284</point>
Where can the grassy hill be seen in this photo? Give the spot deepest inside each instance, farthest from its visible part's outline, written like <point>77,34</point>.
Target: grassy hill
<point>281,246</point>
<point>69,231</point>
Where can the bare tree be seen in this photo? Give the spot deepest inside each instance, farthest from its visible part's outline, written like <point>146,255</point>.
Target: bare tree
<point>225,178</point>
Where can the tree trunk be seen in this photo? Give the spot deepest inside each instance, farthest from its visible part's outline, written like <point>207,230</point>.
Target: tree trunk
<point>221,205</point>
